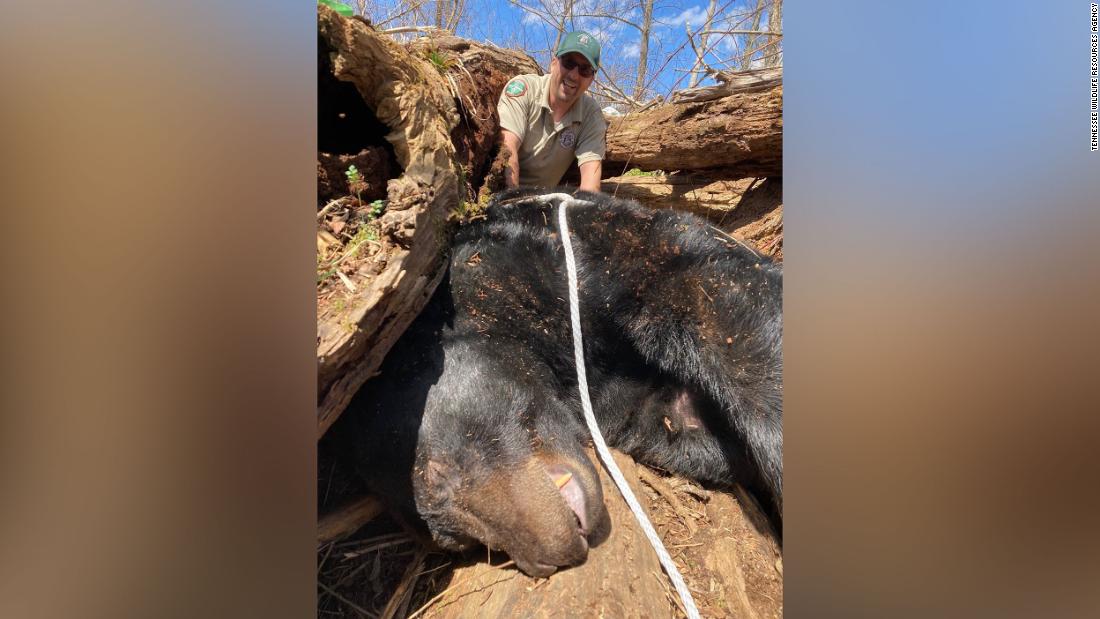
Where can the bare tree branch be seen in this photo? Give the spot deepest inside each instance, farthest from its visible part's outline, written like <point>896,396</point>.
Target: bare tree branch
<point>700,54</point>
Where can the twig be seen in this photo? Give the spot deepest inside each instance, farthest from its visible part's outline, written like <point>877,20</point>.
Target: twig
<point>705,293</point>
<point>444,592</point>
<point>362,551</point>
<point>359,609</point>
<point>404,29</point>
<point>662,489</point>
<point>349,575</point>
<point>348,519</point>
<point>435,569</point>
<point>321,213</point>
<point>669,594</point>
<point>404,588</point>
<point>387,20</point>
<point>321,564</point>
<point>372,540</point>
<point>347,282</point>
<point>735,240</point>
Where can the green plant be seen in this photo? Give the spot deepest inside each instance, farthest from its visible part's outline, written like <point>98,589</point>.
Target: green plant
<point>376,209</point>
<point>639,172</point>
<point>441,61</point>
<point>355,182</point>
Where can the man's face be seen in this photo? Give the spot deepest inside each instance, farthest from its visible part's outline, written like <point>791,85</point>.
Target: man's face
<point>567,77</point>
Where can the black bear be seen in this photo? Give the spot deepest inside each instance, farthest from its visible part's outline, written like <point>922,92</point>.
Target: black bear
<point>474,430</point>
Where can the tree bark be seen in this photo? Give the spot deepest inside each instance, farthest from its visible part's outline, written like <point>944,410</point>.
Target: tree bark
<point>735,136</point>
<point>774,57</point>
<point>644,32</point>
<point>406,95</point>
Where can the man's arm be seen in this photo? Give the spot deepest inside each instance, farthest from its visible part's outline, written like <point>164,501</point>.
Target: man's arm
<point>511,143</point>
<point>591,171</point>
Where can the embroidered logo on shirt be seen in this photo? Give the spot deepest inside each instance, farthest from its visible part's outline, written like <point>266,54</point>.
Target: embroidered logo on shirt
<point>567,139</point>
<point>515,88</point>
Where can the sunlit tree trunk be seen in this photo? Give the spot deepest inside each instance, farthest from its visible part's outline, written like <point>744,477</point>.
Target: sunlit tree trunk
<point>643,51</point>
<point>774,57</point>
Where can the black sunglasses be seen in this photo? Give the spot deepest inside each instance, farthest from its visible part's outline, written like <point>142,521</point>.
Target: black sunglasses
<point>569,64</point>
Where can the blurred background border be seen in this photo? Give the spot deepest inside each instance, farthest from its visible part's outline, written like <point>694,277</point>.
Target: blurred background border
<point>941,293</point>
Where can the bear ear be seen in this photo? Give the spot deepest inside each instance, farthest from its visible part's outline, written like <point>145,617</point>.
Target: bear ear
<point>442,478</point>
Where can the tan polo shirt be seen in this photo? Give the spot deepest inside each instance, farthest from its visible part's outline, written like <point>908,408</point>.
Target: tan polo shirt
<point>547,148</point>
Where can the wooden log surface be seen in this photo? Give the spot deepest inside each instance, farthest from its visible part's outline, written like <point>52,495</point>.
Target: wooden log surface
<point>736,136</point>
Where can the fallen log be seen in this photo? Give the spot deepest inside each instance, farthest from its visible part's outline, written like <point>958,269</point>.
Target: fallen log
<point>408,97</point>
<point>736,136</point>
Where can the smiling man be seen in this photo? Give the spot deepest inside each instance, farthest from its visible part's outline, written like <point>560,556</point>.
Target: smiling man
<point>546,121</point>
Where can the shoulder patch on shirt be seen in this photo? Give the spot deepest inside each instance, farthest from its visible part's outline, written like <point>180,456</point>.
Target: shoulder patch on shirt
<point>515,88</point>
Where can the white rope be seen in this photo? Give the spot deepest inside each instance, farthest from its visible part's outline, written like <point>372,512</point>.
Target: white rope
<point>565,200</point>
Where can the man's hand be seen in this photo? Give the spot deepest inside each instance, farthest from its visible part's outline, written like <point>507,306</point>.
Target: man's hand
<point>511,143</point>
<point>591,171</point>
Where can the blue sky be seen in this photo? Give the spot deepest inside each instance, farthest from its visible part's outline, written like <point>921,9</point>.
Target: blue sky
<point>503,23</point>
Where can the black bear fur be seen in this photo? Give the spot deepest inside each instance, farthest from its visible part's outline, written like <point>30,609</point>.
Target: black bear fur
<point>476,410</point>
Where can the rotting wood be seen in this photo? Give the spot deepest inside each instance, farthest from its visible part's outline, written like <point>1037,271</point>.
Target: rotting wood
<point>736,136</point>
<point>407,96</point>
<point>693,193</point>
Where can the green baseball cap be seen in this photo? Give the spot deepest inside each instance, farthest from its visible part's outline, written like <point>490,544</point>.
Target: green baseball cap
<point>584,44</point>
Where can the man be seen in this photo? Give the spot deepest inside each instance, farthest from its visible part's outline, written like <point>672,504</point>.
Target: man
<point>547,121</point>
